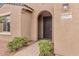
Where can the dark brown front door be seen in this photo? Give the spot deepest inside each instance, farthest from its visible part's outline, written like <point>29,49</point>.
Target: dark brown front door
<point>47,27</point>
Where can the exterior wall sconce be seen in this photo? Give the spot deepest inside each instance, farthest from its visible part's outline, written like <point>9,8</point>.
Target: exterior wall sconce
<point>66,7</point>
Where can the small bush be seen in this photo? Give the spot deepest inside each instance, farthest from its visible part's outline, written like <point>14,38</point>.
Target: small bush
<point>1,19</point>
<point>45,47</point>
<point>17,43</point>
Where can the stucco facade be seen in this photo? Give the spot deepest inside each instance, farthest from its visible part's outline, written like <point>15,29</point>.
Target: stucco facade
<point>16,15</point>
<point>24,22</point>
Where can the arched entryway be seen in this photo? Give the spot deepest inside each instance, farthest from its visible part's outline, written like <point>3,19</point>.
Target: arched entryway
<point>45,25</point>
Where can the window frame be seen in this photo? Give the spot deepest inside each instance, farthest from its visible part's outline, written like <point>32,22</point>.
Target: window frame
<point>6,32</point>
<point>5,24</point>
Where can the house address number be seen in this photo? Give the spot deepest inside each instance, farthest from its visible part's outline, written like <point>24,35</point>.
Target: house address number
<point>66,16</point>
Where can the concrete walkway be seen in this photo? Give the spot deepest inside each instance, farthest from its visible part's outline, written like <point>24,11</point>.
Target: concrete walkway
<point>32,50</point>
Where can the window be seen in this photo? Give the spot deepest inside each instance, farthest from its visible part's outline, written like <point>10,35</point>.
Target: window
<point>5,24</point>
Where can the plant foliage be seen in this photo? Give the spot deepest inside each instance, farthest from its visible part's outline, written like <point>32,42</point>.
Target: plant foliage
<point>1,19</point>
<point>17,43</point>
<point>45,48</point>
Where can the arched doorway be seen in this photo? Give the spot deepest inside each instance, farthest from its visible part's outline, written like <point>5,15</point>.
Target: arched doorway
<point>45,25</point>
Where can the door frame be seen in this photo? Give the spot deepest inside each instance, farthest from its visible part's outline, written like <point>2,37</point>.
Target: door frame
<point>38,22</point>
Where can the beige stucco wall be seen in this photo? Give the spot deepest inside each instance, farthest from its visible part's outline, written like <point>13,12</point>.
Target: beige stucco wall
<point>15,17</point>
<point>20,21</point>
<point>66,38</point>
<point>40,27</point>
<point>26,18</point>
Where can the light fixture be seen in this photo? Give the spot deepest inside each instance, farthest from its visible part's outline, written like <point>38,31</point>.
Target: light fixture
<point>66,7</point>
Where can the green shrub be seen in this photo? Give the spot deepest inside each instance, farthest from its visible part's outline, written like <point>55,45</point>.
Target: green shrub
<point>45,47</point>
<point>17,43</point>
<point>1,19</point>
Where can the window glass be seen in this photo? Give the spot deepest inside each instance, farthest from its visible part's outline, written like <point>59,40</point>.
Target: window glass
<point>6,24</point>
